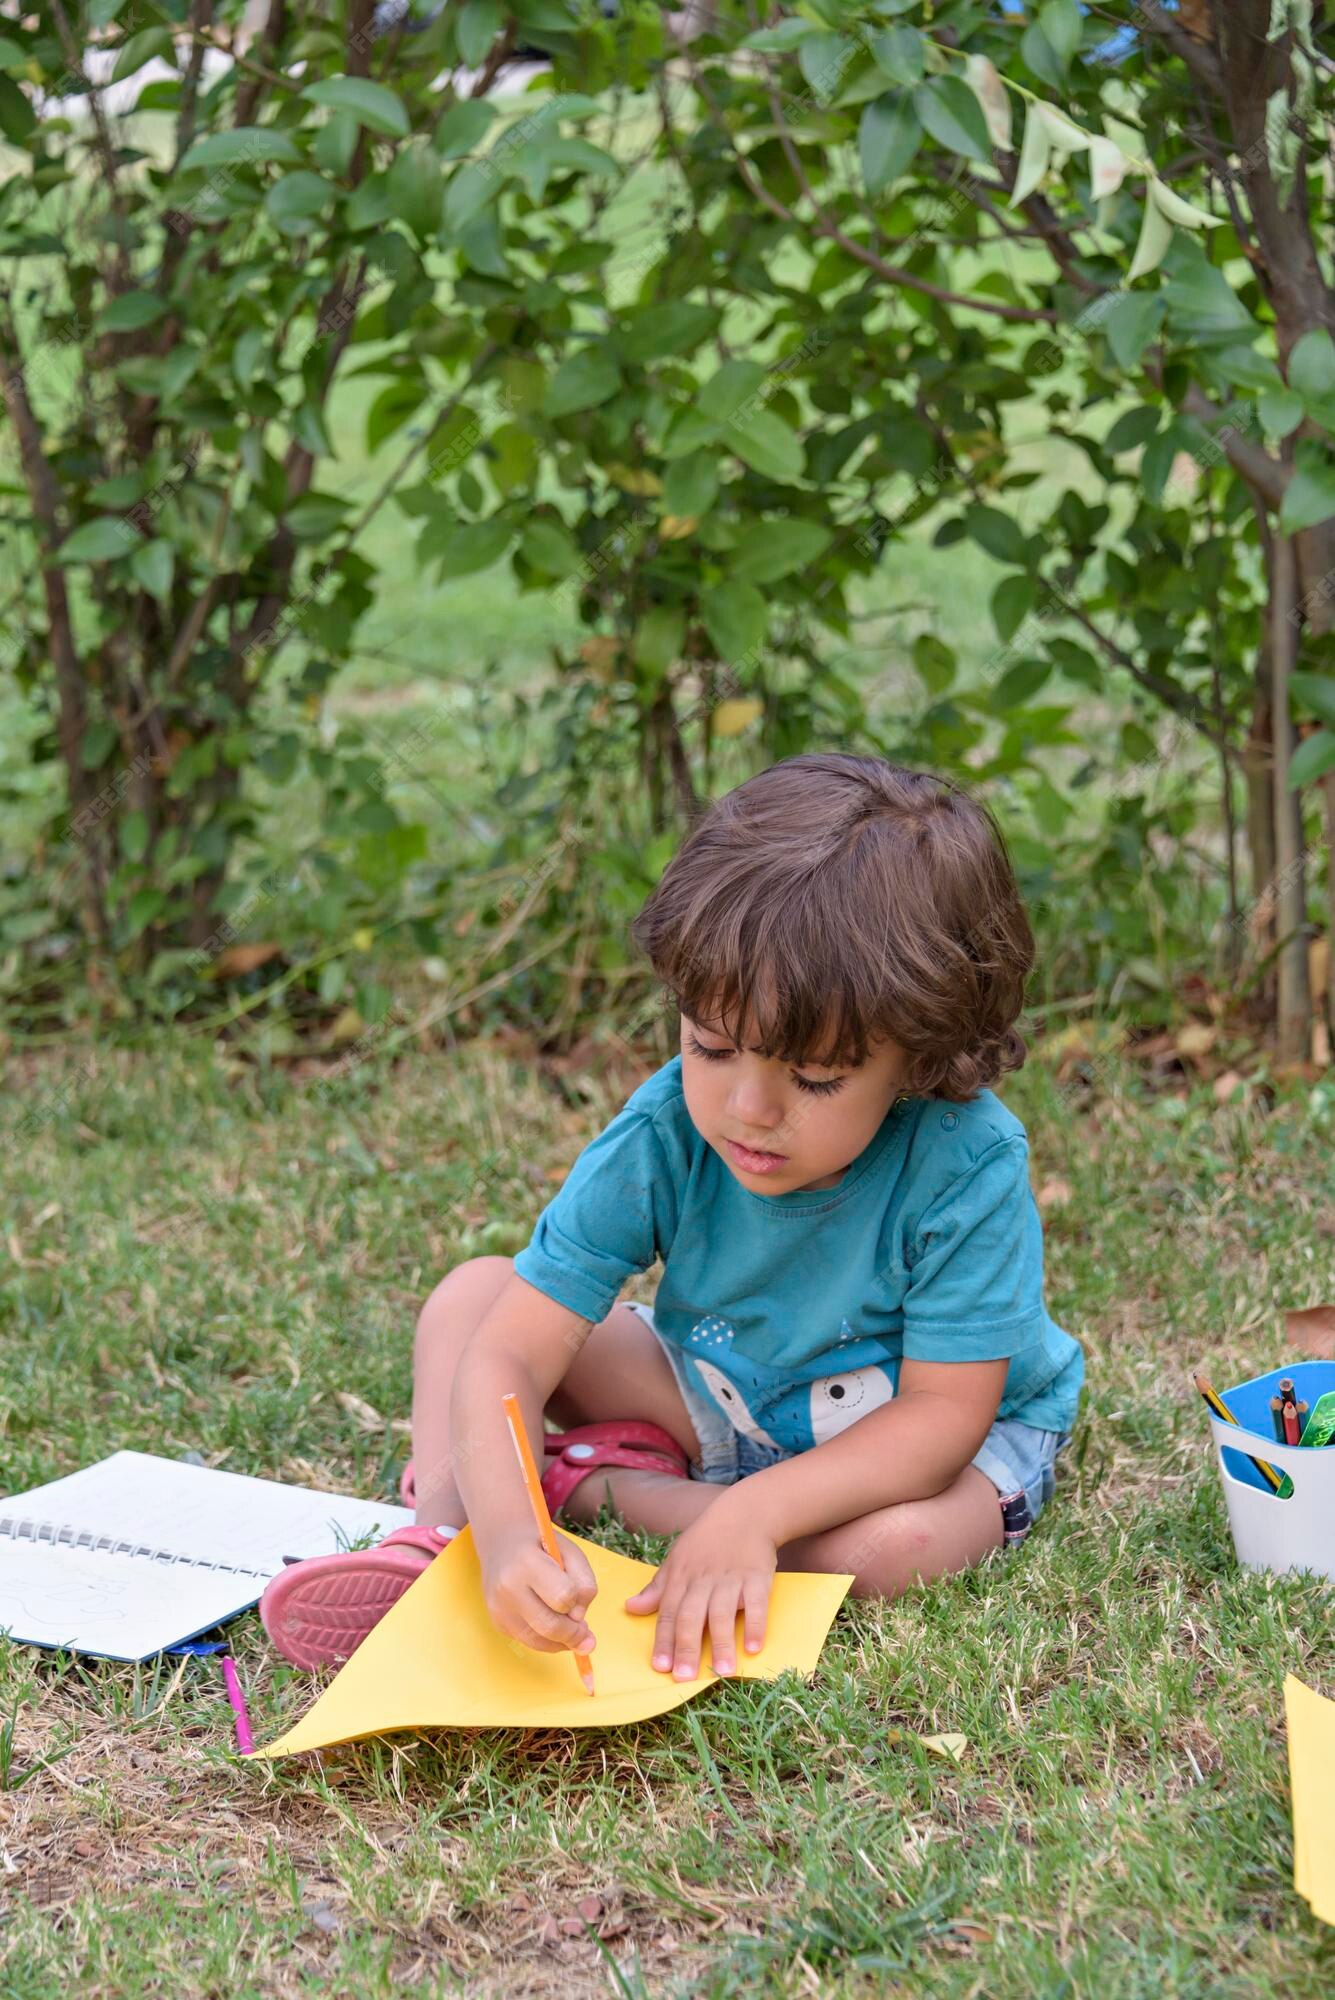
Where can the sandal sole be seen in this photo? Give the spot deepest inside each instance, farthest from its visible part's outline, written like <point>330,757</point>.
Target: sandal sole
<point>317,1613</point>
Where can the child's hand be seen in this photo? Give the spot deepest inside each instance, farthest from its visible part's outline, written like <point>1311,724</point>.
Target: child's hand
<point>533,1601</point>
<point>705,1579</point>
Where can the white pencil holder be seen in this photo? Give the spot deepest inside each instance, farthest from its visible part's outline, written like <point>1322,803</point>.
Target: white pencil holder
<point>1270,1533</point>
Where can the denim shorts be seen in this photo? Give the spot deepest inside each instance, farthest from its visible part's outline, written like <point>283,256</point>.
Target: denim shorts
<point>1019,1460</point>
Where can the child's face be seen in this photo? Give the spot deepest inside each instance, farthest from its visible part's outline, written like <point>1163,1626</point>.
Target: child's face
<point>763,1118</point>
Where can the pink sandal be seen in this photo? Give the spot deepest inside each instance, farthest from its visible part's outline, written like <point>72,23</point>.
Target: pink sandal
<point>318,1611</point>
<point>642,1446</point>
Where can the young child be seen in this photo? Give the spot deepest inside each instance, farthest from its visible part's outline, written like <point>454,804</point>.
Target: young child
<point>848,1365</point>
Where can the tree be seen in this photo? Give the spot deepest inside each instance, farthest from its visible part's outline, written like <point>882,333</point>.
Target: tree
<point>880,232</point>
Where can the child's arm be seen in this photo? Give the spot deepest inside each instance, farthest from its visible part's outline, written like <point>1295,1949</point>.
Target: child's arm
<point>524,1344</point>
<point>909,1449</point>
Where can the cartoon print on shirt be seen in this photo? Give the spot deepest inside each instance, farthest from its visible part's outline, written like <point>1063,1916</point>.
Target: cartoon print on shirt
<point>711,1331</point>
<point>798,1414</point>
<point>840,1400</point>
<point>731,1401</point>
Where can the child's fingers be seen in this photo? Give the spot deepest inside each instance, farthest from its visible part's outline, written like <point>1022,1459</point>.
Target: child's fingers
<point>689,1633</point>
<point>582,1578</point>
<point>723,1626</point>
<point>755,1606</point>
<point>647,1599</point>
<point>561,1629</point>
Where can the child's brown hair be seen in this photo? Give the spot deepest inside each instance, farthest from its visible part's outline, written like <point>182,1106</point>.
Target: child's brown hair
<point>833,900</point>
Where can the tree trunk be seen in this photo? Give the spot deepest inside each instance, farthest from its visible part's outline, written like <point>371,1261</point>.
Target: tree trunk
<point>1293,1015</point>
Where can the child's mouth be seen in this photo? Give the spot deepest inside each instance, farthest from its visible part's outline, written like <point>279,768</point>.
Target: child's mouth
<point>754,1163</point>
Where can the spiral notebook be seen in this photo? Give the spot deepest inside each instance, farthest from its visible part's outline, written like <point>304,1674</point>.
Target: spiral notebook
<point>138,1553</point>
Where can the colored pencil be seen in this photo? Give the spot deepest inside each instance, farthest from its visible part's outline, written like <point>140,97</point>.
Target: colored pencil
<point>244,1740</point>
<point>1292,1428</point>
<point>514,1416</point>
<point>1221,1409</point>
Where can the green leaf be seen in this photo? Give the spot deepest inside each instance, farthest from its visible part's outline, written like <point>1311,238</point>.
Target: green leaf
<point>728,388</point>
<point>898,54</point>
<point>142,48</point>
<point>397,402</point>
<point>1201,301</point>
<point>1133,427</point>
<point>767,550</point>
<point>935,661</point>
<point>547,544</point>
<point>1019,682</point>
<point>131,310</point>
<point>294,201</point>
<point>1156,462</point>
<point>335,143</point>
<point>1309,497</point>
<point>1314,756</point>
<point>249,145</point>
<point>1280,410</point>
<point>690,485</point>
<point>1060,25</point>
<point>316,516</point>
<point>764,441</point>
<point>659,639</point>
<point>996,532</point>
<point>11,55</point>
<point>1317,692</point>
<point>467,192</point>
<point>17,117</point>
<point>889,135</point>
<point>1245,368</point>
<point>134,836</point>
<point>463,127</point>
<point>1012,601</point>
<point>1130,324</point>
<point>145,905</point>
<point>677,326</point>
<point>583,381</point>
<point>465,547</point>
<point>416,191</point>
<point>1312,372</point>
<point>98,541</point>
<point>371,104</point>
<point>476,28</point>
<point>951,113</point>
<point>735,618</point>
<point>151,566</point>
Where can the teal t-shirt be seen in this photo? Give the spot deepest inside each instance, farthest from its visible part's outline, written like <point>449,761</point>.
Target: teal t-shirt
<point>792,1312</point>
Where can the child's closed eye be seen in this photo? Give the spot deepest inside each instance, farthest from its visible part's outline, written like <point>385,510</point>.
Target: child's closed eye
<point>819,1089</point>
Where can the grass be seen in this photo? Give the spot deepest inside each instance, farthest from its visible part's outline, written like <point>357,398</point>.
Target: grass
<point>201,1255</point>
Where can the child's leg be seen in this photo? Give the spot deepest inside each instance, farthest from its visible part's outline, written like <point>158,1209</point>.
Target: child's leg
<point>916,1540</point>
<point>619,1372</point>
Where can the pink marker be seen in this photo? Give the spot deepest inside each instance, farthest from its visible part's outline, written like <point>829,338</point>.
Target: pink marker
<point>245,1741</point>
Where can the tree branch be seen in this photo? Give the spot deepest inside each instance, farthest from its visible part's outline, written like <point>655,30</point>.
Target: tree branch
<point>825,226</point>
<point>72,716</point>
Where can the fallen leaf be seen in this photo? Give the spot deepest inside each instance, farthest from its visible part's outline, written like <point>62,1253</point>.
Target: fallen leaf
<point>1197,1038</point>
<point>952,1746</point>
<point>590,1907</point>
<point>363,1415</point>
<point>1311,1329</point>
<point>239,959</point>
<point>1054,1194</point>
<point>1226,1084</point>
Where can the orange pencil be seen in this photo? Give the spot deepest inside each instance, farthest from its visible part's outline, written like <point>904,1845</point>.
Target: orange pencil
<point>524,1452</point>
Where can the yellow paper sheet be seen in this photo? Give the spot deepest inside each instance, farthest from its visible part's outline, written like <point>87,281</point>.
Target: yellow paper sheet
<point>437,1661</point>
<point>1311,1720</point>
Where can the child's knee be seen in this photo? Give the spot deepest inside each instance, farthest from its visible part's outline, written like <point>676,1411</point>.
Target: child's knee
<point>459,1301</point>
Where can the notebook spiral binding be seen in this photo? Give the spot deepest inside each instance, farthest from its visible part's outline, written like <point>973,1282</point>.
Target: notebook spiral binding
<point>62,1535</point>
